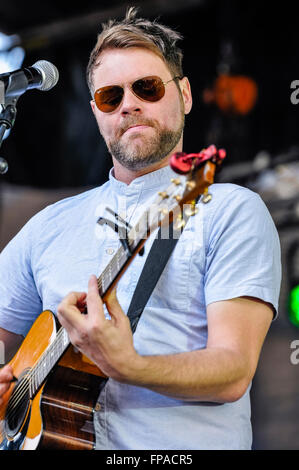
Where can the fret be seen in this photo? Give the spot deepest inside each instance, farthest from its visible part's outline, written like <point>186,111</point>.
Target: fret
<point>65,339</point>
<point>103,282</point>
<point>117,260</point>
<point>110,273</point>
<point>37,377</point>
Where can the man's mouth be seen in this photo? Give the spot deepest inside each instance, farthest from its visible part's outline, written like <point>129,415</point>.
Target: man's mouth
<point>136,128</point>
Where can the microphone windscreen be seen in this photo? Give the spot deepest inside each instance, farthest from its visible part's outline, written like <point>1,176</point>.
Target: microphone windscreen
<point>49,73</point>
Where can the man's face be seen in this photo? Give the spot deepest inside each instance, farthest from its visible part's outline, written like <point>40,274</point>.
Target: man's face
<point>139,133</point>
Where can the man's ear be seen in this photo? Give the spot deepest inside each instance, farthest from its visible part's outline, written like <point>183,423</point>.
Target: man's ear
<point>93,106</point>
<point>186,94</point>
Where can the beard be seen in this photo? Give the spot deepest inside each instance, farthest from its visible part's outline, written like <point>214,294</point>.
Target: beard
<point>149,149</point>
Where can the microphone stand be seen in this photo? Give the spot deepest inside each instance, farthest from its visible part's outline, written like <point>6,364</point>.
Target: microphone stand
<point>7,118</point>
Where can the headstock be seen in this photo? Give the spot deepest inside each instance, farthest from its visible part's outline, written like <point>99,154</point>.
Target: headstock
<point>196,173</point>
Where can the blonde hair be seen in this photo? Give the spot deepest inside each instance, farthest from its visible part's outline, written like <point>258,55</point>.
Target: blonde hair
<point>137,32</point>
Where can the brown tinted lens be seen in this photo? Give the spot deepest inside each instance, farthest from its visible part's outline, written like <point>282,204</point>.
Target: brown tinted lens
<point>108,98</point>
<point>149,88</point>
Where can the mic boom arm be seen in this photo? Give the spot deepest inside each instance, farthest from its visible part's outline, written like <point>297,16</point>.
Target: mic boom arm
<point>8,113</point>
<point>42,75</point>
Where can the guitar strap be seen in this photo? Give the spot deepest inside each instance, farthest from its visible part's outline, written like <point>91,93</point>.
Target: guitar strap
<point>152,270</point>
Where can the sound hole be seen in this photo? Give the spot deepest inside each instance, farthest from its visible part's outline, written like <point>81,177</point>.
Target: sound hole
<point>17,407</point>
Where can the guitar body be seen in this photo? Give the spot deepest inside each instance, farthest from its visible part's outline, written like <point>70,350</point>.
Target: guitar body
<point>21,428</point>
<point>60,415</point>
<point>67,406</point>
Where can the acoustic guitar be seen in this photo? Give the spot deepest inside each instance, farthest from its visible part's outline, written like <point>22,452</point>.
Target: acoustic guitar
<point>52,402</point>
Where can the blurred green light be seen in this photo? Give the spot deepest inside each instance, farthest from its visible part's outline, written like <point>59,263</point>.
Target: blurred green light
<point>294,306</point>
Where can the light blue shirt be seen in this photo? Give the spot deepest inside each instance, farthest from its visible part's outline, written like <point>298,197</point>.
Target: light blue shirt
<point>230,248</point>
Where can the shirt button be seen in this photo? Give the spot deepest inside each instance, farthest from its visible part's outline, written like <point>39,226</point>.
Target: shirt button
<point>110,251</point>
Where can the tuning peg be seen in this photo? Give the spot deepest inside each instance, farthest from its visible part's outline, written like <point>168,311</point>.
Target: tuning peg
<point>179,222</point>
<point>206,196</point>
<point>176,181</point>
<point>191,209</point>
<point>163,194</point>
<point>190,185</point>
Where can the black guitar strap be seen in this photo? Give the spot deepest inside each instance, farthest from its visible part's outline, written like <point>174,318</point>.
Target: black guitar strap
<point>152,270</point>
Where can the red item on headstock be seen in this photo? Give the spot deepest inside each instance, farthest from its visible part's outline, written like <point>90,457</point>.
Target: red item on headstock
<point>183,163</point>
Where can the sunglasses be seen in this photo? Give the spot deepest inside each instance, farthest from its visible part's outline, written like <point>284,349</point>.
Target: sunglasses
<point>150,89</point>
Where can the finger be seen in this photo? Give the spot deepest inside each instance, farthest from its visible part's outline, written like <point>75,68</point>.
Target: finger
<point>4,387</point>
<point>68,312</point>
<point>81,303</point>
<point>73,298</point>
<point>94,302</point>
<point>6,374</point>
<point>113,306</point>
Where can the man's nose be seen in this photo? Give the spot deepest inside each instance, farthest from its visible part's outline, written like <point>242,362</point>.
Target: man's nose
<point>130,104</point>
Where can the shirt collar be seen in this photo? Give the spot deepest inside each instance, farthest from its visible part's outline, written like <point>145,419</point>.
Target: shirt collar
<point>155,179</point>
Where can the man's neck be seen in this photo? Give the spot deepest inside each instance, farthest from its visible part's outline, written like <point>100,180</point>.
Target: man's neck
<point>127,176</point>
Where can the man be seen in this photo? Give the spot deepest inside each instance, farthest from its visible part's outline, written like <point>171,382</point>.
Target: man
<point>182,380</point>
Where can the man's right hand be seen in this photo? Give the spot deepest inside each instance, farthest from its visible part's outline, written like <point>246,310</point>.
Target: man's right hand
<point>6,376</point>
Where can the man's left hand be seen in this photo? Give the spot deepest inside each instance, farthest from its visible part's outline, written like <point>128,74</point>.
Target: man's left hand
<point>107,342</point>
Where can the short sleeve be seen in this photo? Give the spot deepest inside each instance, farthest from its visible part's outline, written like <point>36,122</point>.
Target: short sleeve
<point>243,251</point>
<point>20,303</point>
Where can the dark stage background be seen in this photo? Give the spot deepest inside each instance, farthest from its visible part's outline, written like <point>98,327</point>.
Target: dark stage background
<point>54,149</point>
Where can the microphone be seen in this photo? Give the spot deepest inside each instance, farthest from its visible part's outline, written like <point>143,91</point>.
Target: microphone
<point>42,75</point>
